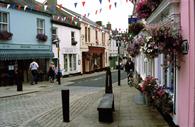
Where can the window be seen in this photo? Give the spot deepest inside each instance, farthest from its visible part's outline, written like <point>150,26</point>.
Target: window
<point>72,64</point>
<point>73,42</point>
<point>96,36</point>
<point>4,23</point>
<point>103,38</point>
<point>85,34</point>
<point>88,34</point>
<point>40,26</point>
<point>54,33</point>
<point>65,62</point>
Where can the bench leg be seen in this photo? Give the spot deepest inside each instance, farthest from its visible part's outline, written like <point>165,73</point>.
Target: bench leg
<point>105,116</point>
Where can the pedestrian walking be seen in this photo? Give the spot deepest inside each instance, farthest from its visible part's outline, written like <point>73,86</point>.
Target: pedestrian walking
<point>129,68</point>
<point>51,72</point>
<point>34,71</point>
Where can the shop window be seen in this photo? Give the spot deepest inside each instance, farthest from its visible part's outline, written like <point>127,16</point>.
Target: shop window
<point>40,26</point>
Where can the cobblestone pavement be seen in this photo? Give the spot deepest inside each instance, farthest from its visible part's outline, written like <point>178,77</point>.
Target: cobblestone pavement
<point>16,110</point>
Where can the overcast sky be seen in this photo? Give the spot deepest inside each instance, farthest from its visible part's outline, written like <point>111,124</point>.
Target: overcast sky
<point>117,16</point>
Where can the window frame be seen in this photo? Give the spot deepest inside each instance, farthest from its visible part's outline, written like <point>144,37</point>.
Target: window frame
<point>40,28</point>
<point>5,23</point>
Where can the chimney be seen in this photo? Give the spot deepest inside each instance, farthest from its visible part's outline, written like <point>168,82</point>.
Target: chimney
<point>109,26</point>
<point>52,5</point>
<point>99,23</point>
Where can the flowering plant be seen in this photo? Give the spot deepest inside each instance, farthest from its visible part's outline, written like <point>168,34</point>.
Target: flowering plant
<point>162,100</point>
<point>143,9</point>
<point>41,37</point>
<point>4,35</point>
<point>135,28</point>
<point>149,85</point>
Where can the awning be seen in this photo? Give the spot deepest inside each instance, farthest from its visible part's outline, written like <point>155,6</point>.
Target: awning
<point>25,54</point>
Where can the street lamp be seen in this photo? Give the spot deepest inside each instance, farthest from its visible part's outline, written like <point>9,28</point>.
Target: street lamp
<point>118,39</point>
<point>57,41</point>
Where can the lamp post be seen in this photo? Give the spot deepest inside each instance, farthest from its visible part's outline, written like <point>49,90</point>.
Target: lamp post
<point>57,41</point>
<point>119,73</point>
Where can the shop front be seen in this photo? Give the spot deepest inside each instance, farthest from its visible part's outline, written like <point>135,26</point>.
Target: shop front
<point>93,60</point>
<point>11,58</point>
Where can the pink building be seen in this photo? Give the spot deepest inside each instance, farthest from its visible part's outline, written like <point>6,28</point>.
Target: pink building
<point>186,87</point>
<point>182,13</point>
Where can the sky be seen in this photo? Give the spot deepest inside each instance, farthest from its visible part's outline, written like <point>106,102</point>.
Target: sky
<point>117,16</point>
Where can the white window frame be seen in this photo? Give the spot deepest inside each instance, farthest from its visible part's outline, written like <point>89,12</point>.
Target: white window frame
<point>40,27</point>
<point>4,23</point>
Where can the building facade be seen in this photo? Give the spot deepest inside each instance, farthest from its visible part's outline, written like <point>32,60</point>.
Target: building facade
<point>178,77</point>
<point>68,34</point>
<point>21,47</point>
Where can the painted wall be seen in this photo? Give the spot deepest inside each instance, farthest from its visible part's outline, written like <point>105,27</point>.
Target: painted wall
<point>187,72</point>
<point>64,34</point>
<point>23,25</point>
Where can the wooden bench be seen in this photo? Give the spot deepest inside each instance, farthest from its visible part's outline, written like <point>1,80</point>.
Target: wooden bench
<point>106,107</point>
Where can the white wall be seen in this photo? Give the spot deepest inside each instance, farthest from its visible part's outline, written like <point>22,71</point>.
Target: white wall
<point>64,34</point>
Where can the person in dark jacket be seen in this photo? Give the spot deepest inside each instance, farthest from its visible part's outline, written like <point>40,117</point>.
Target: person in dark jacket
<point>129,68</point>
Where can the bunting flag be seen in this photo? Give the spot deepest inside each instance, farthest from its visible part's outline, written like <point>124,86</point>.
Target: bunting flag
<point>75,5</point>
<point>126,0</point>
<point>109,1</point>
<point>110,6</point>
<point>45,7</point>
<point>100,1</point>
<point>115,3</point>
<point>96,12</point>
<point>88,14</point>
<point>8,6</point>
<point>83,3</point>
<point>25,6</point>
<point>60,6</point>
<point>100,10</point>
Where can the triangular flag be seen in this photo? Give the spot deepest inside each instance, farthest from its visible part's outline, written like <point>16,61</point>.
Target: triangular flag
<point>109,1</point>
<point>64,18</point>
<point>13,6</point>
<point>45,7</point>
<point>75,5</point>
<point>83,3</point>
<point>25,6</point>
<point>60,6</point>
<point>8,6</point>
<point>110,6</point>
<point>100,10</point>
<point>37,7</point>
<point>115,3</point>
<point>100,1</point>
<point>88,14</point>
<point>19,7</point>
<point>96,12</point>
<point>126,0</point>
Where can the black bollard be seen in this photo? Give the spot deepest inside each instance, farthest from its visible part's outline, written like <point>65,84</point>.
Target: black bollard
<point>108,88</point>
<point>65,105</point>
<point>18,80</point>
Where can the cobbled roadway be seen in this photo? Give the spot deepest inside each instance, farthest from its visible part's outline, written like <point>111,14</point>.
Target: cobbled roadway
<point>44,108</point>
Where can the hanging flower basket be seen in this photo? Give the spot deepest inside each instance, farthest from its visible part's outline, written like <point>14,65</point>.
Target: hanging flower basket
<point>143,9</point>
<point>4,35</point>
<point>135,28</point>
<point>41,37</point>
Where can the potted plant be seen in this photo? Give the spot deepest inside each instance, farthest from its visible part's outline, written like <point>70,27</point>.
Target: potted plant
<point>4,35</point>
<point>41,37</point>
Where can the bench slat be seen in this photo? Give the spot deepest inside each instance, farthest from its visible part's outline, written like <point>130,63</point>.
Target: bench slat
<point>106,102</point>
